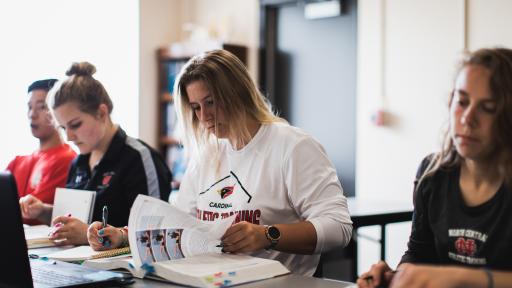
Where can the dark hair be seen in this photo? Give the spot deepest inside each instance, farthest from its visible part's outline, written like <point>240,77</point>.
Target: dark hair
<point>45,84</point>
<point>82,89</point>
<point>498,62</point>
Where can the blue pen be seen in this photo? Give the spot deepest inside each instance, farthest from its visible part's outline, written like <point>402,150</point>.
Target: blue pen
<point>106,241</point>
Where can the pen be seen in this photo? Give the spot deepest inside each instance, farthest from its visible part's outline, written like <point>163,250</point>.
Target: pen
<point>105,216</point>
<point>106,241</point>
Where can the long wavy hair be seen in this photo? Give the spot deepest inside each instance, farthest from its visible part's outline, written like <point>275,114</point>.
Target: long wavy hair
<point>498,62</point>
<point>232,90</point>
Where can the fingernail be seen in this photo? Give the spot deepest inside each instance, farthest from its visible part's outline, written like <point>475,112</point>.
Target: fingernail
<point>100,239</point>
<point>57,225</point>
<point>106,244</point>
<point>101,232</point>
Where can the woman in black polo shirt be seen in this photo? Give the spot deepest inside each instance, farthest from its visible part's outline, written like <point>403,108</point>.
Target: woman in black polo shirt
<point>116,166</point>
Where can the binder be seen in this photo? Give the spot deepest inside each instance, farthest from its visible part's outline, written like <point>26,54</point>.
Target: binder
<point>78,203</point>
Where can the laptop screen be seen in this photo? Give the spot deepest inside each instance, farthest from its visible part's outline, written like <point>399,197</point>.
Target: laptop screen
<point>17,271</point>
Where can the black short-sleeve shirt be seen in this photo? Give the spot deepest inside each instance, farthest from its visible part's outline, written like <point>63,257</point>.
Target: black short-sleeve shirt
<point>447,231</point>
<point>128,168</point>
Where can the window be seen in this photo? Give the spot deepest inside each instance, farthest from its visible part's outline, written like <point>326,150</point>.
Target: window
<point>40,39</point>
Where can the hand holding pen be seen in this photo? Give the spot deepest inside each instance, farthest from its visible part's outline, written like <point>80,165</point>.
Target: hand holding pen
<point>380,275</point>
<point>102,236</point>
<point>105,240</point>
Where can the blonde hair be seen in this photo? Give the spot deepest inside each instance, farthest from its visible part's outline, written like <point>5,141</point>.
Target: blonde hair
<point>498,62</point>
<point>232,90</point>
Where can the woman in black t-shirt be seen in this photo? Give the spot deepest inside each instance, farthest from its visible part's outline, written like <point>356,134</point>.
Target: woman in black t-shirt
<point>462,223</point>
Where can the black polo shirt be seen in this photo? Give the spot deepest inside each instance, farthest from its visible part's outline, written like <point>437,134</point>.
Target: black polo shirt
<point>128,168</point>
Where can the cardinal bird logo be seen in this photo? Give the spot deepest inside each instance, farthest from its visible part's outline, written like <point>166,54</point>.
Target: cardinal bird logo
<point>226,191</point>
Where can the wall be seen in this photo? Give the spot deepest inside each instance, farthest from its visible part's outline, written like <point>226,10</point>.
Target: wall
<point>316,83</point>
<point>161,23</point>
<point>489,23</point>
<point>407,55</point>
<point>40,39</point>
<point>235,21</point>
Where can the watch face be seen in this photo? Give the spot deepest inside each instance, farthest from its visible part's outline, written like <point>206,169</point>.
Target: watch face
<point>273,232</point>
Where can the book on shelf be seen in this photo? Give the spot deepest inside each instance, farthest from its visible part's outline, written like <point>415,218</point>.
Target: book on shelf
<point>170,244</point>
<point>172,69</point>
<point>171,119</point>
<point>78,203</point>
<point>82,253</point>
<point>177,161</point>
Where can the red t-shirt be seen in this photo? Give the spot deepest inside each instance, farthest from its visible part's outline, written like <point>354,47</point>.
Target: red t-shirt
<point>41,172</point>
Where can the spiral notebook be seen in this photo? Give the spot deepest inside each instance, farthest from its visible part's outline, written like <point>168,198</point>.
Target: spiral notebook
<point>82,253</point>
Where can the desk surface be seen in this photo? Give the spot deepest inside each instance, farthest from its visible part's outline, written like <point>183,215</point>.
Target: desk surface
<point>289,280</point>
<point>364,207</point>
<point>295,281</point>
<point>366,212</point>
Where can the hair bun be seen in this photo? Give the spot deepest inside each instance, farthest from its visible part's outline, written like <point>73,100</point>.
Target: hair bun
<point>81,69</point>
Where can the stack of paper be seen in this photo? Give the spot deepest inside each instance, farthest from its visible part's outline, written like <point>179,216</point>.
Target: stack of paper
<point>37,236</point>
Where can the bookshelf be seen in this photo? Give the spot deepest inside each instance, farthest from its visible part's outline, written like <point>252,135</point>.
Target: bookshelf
<point>169,144</point>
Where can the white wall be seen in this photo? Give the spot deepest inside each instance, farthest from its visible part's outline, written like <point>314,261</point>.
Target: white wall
<point>237,22</point>
<point>489,23</point>
<point>41,39</point>
<point>160,24</point>
<point>407,56</point>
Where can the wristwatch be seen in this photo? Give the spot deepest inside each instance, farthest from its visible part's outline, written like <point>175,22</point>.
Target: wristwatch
<point>273,235</point>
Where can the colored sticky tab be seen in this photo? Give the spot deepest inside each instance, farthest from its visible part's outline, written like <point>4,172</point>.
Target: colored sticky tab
<point>148,267</point>
<point>227,282</point>
<point>209,279</point>
<point>232,273</point>
<point>219,274</point>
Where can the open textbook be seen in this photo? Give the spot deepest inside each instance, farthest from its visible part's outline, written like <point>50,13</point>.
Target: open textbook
<point>78,203</point>
<point>177,247</point>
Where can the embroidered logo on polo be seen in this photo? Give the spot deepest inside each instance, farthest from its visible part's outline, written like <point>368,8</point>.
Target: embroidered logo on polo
<point>105,181</point>
<point>466,245</point>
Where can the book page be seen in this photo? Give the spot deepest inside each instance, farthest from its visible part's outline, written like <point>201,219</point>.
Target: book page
<point>160,232</point>
<point>37,232</point>
<point>38,236</point>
